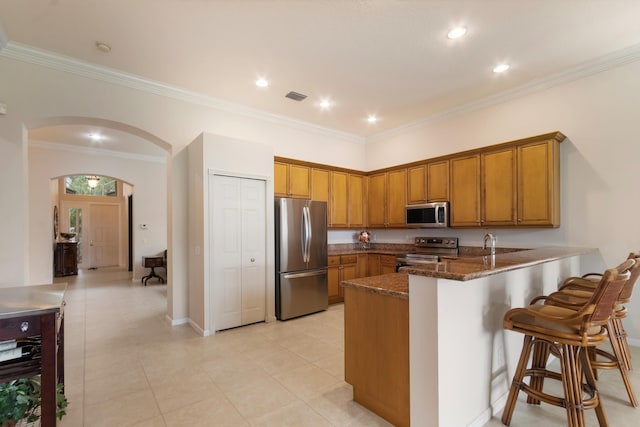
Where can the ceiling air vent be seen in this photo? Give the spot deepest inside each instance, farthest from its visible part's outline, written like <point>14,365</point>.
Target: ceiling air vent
<point>295,96</point>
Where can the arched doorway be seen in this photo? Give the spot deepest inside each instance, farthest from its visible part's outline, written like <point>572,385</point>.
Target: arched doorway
<point>63,146</point>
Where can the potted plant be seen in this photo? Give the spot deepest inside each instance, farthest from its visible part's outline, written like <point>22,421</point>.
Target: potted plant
<point>20,401</point>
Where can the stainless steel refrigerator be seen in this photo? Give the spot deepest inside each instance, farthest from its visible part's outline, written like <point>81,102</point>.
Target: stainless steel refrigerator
<point>301,257</point>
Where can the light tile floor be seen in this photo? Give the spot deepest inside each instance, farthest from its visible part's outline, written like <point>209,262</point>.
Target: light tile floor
<point>126,366</point>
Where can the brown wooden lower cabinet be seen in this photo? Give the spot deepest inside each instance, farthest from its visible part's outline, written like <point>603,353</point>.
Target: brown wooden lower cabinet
<point>376,329</point>
<point>341,267</point>
<point>381,264</point>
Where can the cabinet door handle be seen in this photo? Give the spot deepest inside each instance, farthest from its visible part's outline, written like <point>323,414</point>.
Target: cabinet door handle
<point>24,326</point>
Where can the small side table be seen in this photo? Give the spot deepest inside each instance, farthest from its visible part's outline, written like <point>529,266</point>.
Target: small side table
<point>152,262</point>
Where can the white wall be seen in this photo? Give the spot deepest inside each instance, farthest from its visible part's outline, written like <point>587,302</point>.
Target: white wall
<point>214,154</point>
<point>149,187</point>
<point>13,208</point>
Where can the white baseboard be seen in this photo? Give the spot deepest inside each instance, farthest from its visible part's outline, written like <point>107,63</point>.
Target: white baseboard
<point>496,408</point>
<point>482,419</point>
<point>176,322</point>
<point>198,329</point>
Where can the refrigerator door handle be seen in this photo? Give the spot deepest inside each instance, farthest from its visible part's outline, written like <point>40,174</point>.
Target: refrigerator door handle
<point>305,274</point>
<point>309,234</point>
<point>305,234</point>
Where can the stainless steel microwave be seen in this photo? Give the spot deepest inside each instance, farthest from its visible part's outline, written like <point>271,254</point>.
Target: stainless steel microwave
<point>428,215</point>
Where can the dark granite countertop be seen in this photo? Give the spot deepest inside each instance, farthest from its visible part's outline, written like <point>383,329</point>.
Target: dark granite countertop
<point>468,268</point>
<point>394,284</point>
<point>463,269</point>
<point>374,248</point>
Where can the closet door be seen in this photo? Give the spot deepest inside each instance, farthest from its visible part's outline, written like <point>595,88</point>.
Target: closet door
<point>238,255</point>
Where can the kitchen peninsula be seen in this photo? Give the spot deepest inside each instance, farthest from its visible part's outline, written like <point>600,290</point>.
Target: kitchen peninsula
<point>432,335</point>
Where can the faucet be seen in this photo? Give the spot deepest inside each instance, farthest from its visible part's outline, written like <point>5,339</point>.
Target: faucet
<point>492,241</point>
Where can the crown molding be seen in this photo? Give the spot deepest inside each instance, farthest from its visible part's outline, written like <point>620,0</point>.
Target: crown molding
<point>78,149</point>
<point>70,65</point>
<point>58,62</point>
<point>600,64</point>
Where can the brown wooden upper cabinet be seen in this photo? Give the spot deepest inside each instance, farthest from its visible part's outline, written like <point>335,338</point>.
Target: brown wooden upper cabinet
<point>428,183</point>
<point>539,183</point>
<point>508,186</point>
<point>513,184</point>
<point>498,187</point>
<point>345,196</point>
<point>339,199</point>
<point>357,201</point>
<point>438,181</point>
<point>320,185</point>
<point>465,191</point>
<point>417,185</point>
<point>291,180</point>
<point>387,199</point>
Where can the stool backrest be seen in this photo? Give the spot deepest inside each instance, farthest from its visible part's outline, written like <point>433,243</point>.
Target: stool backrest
<point>607,292</point>
<point>627,289</point>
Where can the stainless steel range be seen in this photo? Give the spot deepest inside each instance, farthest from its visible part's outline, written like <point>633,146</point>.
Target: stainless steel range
<point>428,250</point>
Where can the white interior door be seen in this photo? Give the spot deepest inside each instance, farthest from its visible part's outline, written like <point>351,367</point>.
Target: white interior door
<point>238,255</point>
<point>103,227</point>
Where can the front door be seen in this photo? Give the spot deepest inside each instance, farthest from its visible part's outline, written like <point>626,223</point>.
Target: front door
<point>104,234</point>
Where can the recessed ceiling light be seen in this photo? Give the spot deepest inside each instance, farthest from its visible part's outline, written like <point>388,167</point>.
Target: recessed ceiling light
<point>372,119</point>
<point>103,47</point>
<point>457,32</point>
<point>501,68</point>
<point>96,137</point>
<point>262,82</point>
<point>325,104</point>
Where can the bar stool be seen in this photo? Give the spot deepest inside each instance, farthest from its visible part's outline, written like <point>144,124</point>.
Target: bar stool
<point>568,334</point>
<point>574,293</point>
<point>617,333</point>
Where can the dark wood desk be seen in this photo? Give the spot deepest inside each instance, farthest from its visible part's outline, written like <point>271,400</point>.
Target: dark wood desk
<point>152,262</point>
<point>28,311</point>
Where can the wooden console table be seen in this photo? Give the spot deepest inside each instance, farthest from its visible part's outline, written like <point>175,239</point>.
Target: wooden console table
<point>65,259</point>
<point>36,311</point>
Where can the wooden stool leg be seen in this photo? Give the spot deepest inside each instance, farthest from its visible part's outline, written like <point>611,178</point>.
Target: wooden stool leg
<point>517,380</point>
<point>571,369</point>
<point>539,360</point>
<point>617,347</point>
<point>621,336</point>
<point>591,384</point>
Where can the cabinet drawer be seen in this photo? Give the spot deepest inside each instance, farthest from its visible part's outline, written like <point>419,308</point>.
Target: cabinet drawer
<point>348,259</point>
<point>334,260</point>
<point>388,259</point>
<point>19,327</point>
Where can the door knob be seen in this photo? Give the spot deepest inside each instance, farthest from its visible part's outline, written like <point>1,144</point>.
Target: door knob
<point>253,260</point>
